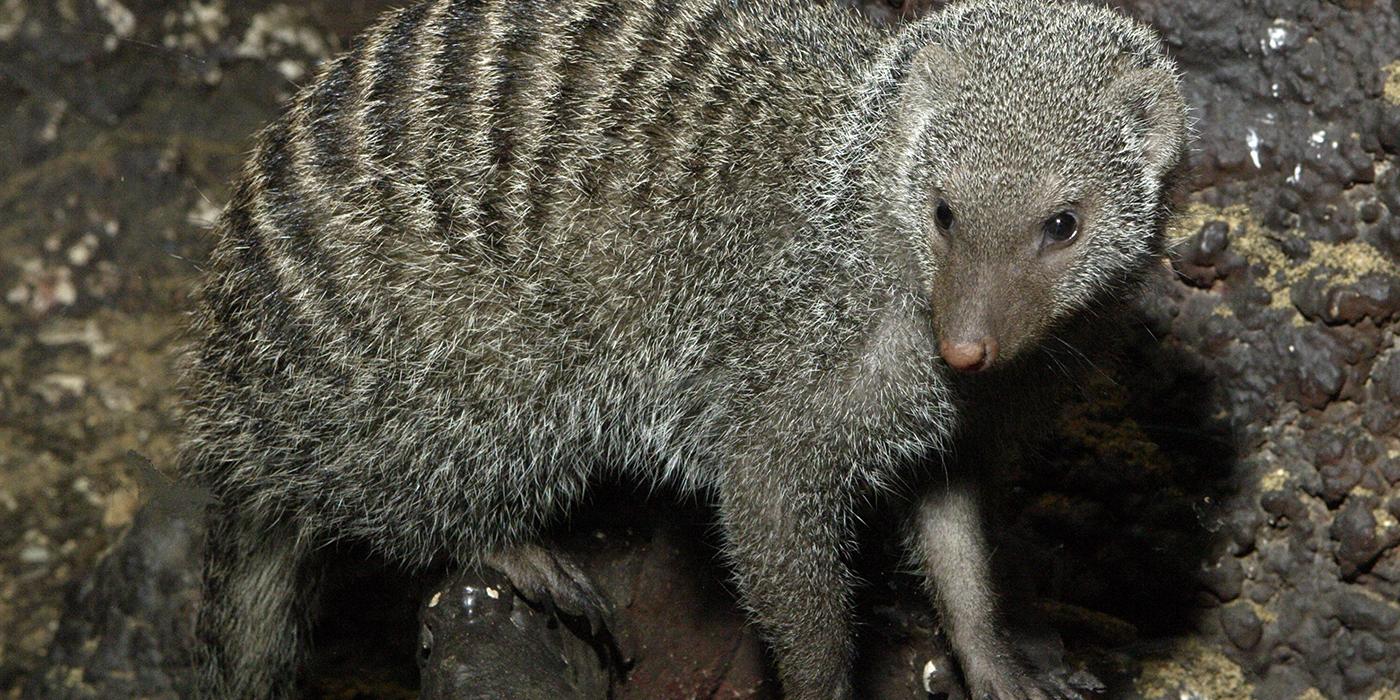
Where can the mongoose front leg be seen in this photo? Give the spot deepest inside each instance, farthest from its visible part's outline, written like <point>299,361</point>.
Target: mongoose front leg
<point>953,550</point>
<point>786,534</point>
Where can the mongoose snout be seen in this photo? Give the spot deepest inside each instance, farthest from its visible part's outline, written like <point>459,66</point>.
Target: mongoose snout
<point>968,355</point>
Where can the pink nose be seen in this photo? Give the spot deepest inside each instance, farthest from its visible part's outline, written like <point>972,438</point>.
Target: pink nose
<point>968,355</point>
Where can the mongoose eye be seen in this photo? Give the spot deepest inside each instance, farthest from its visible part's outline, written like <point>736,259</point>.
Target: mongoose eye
<point>1061,228</point>
<point>943,215</point>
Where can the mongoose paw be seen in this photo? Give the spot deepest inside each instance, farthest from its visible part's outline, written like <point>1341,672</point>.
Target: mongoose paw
<point>545,577</point>
<point>1020,684</point>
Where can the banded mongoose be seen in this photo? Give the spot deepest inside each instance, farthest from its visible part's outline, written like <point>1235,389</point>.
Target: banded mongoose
<point>740,246</point>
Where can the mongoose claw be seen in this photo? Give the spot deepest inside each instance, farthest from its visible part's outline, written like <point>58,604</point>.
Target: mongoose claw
<point>1084,682</point>
<point>1021,685</point>
<point>545,577</point>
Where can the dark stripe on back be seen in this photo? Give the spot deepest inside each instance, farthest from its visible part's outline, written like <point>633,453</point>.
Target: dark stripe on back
<point>719,114</point>
<point>388,112</point>
<point>558,85</point>
<point>289,210</point>
<point>694,61</point>
<point>325,121</point>
<point>579,62</point>
<point>512,62</point>
<point>619,112</point>
<point>586,69</point>
<point>452,87</point>
<point>265,306</point>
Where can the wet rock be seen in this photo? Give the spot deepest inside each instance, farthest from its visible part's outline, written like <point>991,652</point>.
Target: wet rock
<point>940,680</point>
<point>1384,388</point>
<point>1354,529</point>
<point>1374,297</point>
<point>1319,366</point>
<point>1284,681</point>
<point>1282,504</point>
<point>128,629</point>
<point>902,654</point>
<point>1359,610</point>
<point>1199,257</point>
<point>1357,677</point>
<point>1241,625</point>
<point>678,631</point>
<point>1243,522</point>
<point>1338,478</point>
<point>1224,579</point>
<point>480,640</point>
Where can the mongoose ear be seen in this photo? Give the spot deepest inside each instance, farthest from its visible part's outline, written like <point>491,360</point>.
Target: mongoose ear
<point>1158,116</point>
<point>923,78</point>
<point>933,72</point>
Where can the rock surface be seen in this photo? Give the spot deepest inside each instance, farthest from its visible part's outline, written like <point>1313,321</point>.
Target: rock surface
<point>1219,517</point>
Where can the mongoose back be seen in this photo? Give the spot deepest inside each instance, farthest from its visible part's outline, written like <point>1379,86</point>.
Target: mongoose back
<point>739,246</point>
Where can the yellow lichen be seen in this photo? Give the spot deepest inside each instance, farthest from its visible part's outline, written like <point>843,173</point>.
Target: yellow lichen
<point>1264,614</point>
<point>1274,480</point>
<point>120,507</point>
<point>1392,83</point>
<point>1187,222</point>
<point>1191,668</point>
<point>1384,520</point>
<point>1345,263</point>
<point>1385,694</point>
<point>1376,597</point>
<point>1351,260</point>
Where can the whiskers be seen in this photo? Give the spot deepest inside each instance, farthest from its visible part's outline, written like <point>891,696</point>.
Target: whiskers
<point>1071,362</point>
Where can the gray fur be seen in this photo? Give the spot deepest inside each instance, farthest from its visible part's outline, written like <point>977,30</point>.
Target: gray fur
<point>501,247</point>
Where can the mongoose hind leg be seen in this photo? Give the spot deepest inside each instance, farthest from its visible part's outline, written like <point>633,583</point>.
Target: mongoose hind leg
<point>254,620</point>
<point>541,575</point>
<point>949,540</point>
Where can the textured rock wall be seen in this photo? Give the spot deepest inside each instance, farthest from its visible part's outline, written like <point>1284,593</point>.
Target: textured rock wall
<point>121,124</point>
<point>1288,296</point>
<point>1218,520</point>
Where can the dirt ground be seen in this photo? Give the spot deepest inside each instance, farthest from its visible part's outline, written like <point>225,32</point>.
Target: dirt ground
<point>1220,519</point>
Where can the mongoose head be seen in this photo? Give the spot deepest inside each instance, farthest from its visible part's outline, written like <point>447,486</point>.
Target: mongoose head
<point>1031,146</point>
